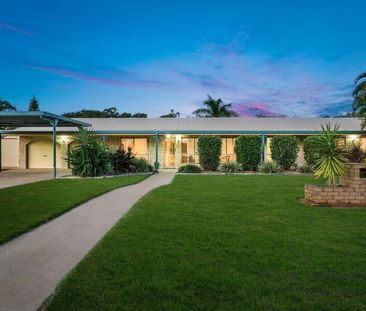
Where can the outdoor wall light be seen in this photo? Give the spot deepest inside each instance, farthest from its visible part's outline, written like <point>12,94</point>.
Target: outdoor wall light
<point>178,138</point>
<point>64,139</point>
<point>353,138</point>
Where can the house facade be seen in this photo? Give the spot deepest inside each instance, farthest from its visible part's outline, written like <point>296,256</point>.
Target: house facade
<point>168,142</point>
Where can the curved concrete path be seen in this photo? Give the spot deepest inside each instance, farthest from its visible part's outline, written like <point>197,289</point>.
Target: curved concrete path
<point>33,264</point>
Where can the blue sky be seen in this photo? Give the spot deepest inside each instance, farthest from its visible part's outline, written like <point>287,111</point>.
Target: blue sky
<point>297,58</point>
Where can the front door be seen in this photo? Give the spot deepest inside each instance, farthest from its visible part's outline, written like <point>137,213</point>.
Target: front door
<point>169,153</point>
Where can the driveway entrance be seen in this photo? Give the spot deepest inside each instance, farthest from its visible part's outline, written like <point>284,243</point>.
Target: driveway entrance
<point>15,177</point>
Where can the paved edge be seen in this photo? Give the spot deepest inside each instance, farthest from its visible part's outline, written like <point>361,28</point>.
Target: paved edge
<point>32,265</point>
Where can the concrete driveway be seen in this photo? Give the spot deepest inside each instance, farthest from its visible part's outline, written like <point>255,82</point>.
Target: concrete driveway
<point>15,177</point>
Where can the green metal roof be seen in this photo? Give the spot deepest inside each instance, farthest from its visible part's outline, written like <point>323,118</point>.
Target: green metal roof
<point>36,119</point>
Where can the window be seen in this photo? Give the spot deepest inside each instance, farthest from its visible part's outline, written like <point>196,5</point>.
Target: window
<point>227,149</point>
<point>189,150</point>
<point>138,146</point>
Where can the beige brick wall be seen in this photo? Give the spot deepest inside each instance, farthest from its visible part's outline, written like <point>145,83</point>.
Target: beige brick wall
<point>352,189</point>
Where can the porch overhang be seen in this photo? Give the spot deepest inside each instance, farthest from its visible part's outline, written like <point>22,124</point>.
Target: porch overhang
<point>35,119</point>
<point>19,119</point>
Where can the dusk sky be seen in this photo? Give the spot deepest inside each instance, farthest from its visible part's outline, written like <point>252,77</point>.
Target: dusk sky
<point>297,58</point>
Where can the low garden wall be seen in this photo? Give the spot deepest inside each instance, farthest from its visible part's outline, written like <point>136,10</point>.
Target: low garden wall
<point>351,192</point>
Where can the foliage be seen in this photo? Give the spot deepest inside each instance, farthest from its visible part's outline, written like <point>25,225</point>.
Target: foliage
<point>330,162</point>
<point>215,108</point>
<point>310,150</point>
<point>230,167</point>
<point>25,207</point>
<point>209,150</point>
<point>359,98</point>
<point>269,167</point>
<point>172,114</point>
<point>355,153</point>
<point>6,106</point>
<point>140,165</point>
<point>305,169</point>
<point>248,151</point>
<point>111,112</point>
<point>122,161</point>
<point>190,168</point>
<point>90,157</point>
<point>284,149</point>
<point>33,104</point>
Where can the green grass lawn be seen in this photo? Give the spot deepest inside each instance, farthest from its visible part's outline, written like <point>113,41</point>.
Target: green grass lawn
<point>25,207</point>
<point>224,243</point>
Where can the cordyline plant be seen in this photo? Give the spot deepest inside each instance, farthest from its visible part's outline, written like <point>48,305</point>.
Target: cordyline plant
<point>330,162</point>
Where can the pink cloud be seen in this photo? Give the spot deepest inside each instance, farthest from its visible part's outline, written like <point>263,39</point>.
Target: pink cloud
<point>18,30</point>
<point>255,109</point>
<point>132,81</point>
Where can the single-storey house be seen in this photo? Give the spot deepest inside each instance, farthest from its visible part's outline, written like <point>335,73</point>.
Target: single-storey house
<point>171,142</point>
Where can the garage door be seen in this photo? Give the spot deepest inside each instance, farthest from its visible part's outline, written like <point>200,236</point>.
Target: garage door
<point>10,151</point>
<point>40,154</point>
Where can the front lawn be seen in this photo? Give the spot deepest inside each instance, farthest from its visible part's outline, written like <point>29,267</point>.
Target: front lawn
<point>224,243</point>
<point>25,207</point>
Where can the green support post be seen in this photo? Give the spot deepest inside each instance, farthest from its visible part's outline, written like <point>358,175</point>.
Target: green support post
<point>54,126</point>
<point>263,148</point>
<point>156,164</point>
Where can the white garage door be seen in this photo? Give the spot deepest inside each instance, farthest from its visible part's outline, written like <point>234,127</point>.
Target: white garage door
<point>40,154</point>
<point>10,151</point>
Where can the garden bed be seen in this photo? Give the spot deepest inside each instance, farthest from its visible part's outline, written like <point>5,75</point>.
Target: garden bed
<point>108,176</point>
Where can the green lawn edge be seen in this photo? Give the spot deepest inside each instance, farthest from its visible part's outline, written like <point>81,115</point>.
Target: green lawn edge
<point>139,178</point>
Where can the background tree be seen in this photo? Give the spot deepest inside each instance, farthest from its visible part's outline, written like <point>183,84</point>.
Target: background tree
<point>33,104</point>
<point>359,98</point>
<point>215,108</point>
<point>172,114</point>
<point>6,106</point>
<point>139,115</point>
<point>111,112</point>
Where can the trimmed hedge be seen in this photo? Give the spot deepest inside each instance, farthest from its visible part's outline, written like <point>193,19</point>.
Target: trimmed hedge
<point>248,151</point>
<point>209,150</point>
<point>284,150</point>
<point>190,168</point>
<point>310,150</point>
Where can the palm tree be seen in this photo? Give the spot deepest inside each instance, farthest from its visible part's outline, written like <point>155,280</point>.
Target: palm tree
<point>359,98</point>
<point>215,108</point>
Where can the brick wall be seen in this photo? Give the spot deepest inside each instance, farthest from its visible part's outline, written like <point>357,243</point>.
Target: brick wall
<point>352,189</point>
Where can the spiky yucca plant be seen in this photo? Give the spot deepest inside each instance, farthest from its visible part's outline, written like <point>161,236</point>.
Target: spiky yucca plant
<point>330,162</point>
<point>90,157</point>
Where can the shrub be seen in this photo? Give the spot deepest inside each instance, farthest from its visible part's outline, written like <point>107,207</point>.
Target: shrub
<point>284,150</point>
<point>122,161</point>
<point>230,167</point>
<point>209,150</point>
<point>248,151</point>
<point>90,157</point>
<point>354,153</point>
<point>269,167</point>
<point>311,153</point>
<point>140,165</point>
<point>330,163</point>
<point>305,169</point>
<point>190,168</point>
